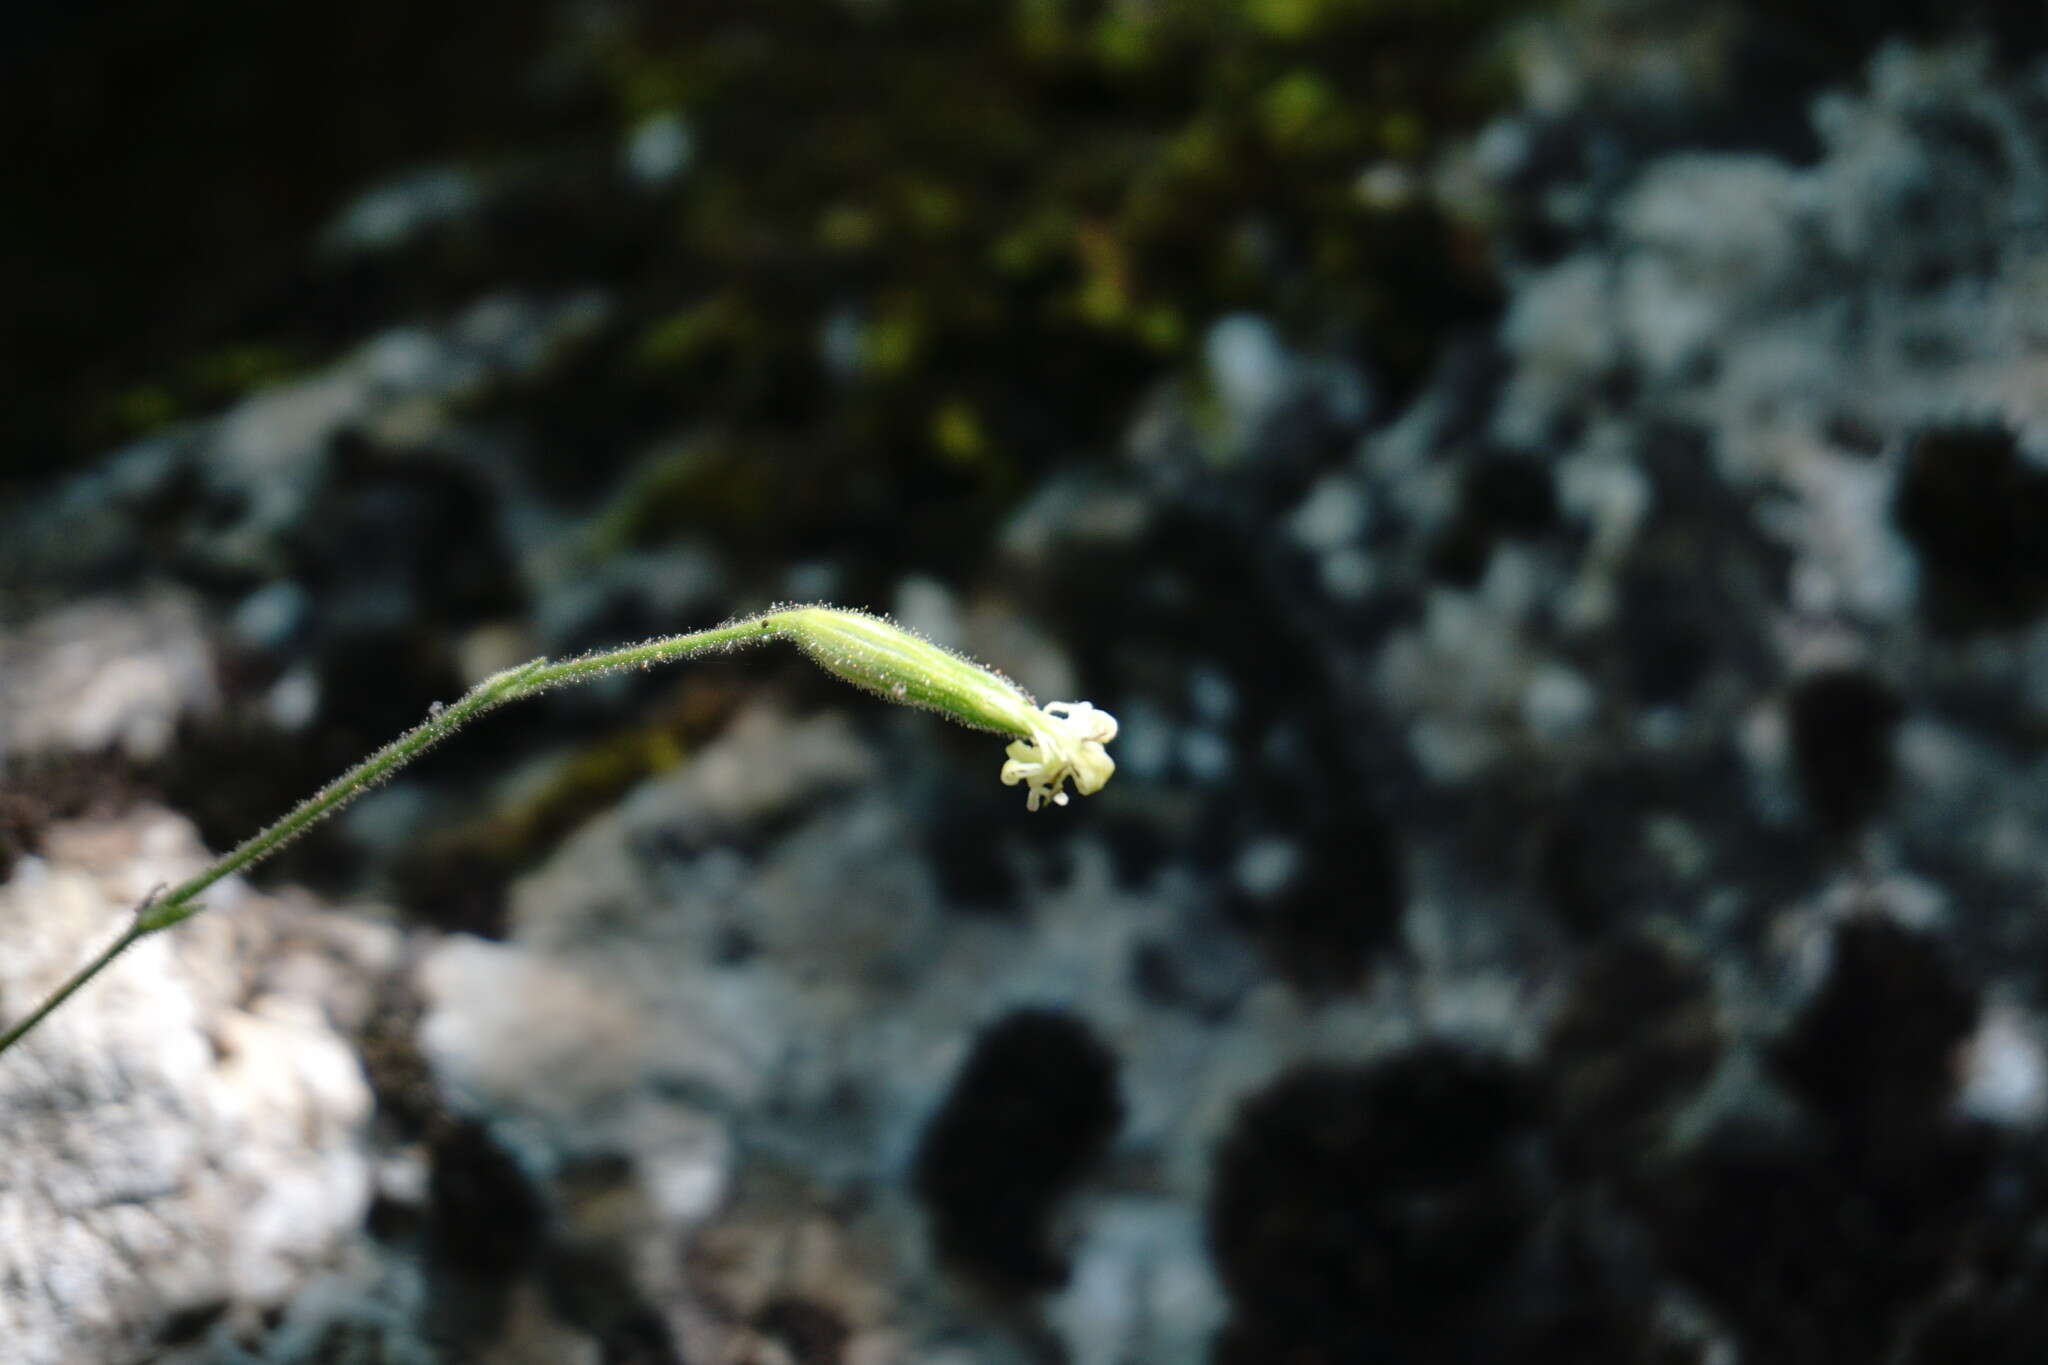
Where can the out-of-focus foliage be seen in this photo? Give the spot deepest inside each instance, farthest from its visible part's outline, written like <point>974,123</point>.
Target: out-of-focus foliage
<point>927,238</point>
<point>924,247</point>
<point>988,206</point>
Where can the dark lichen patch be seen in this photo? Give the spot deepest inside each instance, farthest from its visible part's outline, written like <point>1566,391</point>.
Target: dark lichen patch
<point>1814,40</point>
<point>1610,1334</point>
<point>1848,432</point>
<point>1973,506</point>
<point>640,1338</point>
<point>1872,1054</point>
<point>813,1333</point>
<point>1511,492</point>
<point>1503,495</point>
<point>1810,1258</point>
<point>486,1227</point>
<point>1459,554</point>
<point>1569,872</point>
<point>485,1215</point>
<point>2006,1321</point>
<point>404,534</point>
<point>592,1287</point>
<point>1155,974</point>
<point>1200,966</point>
<point>1843,721</point>
<point>1340,903</point>
<point>188,1325</point>
<point>1030,1112</point>
<point>1636,1038</point>
<point>1696,570</point>
<point>1625,838</point>
<point>1820,1237</point>
<point>1357,1210</point>
<point>1671,636</point>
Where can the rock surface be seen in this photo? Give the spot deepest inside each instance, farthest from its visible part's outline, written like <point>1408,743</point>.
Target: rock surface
<point>1571,889</point>
<point>188,1142</point>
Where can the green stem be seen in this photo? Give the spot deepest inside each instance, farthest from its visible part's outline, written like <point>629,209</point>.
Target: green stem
<point>181,902</point>
<point>78,978</point>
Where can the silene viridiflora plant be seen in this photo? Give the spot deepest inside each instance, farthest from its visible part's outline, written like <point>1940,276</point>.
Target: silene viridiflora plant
<point>1050,745</point>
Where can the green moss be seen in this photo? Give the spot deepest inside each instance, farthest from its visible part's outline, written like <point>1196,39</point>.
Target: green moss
<point>721,322</point>
<point>689,485</point>
<point>140,410</point>
<point>957,432</point>
<point>1301,111</point>
<point>205,383</point>
<point>1027,205</point>
<point>230,371</point>
<point>920,249</point>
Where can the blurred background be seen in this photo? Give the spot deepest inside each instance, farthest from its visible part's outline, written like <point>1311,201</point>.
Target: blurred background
<point>1555,491</point>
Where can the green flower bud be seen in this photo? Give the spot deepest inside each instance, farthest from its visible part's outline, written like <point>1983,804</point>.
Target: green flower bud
<point>883,658</point>
<point>1053,743</point>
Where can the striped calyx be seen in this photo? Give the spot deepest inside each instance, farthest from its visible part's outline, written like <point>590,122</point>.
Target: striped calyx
<point>1053,743</point>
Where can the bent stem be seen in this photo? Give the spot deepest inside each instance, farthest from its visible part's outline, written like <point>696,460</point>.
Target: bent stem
<point>181,902</point>
<point>1054,744</point>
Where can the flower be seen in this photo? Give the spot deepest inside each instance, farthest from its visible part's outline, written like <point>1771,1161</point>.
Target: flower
<point>1066,741</point>
<point>1054,742</point>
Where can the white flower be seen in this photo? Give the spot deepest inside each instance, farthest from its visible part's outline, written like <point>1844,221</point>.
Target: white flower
<point>1066,741</point>
<point>1054,742</point>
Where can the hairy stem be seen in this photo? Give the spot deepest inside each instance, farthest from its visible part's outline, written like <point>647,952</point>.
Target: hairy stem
<point>78,978</point>
<point>181,901</point>
<point>1053,745</point>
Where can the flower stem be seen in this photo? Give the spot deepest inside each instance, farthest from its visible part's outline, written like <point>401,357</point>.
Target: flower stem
<point>863,650</point>
<point>182,901</point>
<point>78,978</point>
